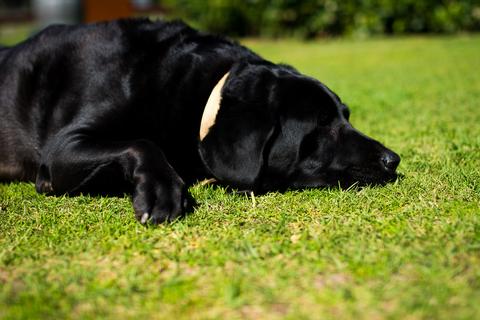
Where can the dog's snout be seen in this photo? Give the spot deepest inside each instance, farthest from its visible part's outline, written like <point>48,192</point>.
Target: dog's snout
<point>390,160</point>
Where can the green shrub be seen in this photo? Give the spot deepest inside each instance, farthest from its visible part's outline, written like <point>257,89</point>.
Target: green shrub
<point>312,18</point>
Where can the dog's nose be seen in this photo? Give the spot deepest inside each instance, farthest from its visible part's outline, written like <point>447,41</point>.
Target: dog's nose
<point>390,160</point>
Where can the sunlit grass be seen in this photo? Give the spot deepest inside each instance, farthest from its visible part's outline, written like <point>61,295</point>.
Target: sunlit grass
<point>410,249</point>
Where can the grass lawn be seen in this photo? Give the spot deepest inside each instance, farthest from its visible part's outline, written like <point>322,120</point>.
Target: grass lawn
<point>410,250</point>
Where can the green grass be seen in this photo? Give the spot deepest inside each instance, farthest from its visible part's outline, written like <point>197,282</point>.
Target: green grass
<point>11,33</point>
<point>409,250</point>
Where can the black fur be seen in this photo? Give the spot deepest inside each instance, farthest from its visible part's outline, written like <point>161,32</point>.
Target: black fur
<point>117,106</point>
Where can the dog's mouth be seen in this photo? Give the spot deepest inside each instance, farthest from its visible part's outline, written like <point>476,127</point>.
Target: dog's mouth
<point>352,176</point>
<point>367,176</point>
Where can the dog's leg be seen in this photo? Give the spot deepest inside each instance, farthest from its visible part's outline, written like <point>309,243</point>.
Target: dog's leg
<point>69,164</point>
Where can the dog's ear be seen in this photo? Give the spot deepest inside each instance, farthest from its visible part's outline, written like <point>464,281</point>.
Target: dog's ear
<point>233,149</point>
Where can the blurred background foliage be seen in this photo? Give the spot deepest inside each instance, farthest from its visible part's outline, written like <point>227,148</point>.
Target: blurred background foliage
<point>305,19</point>
<point>314,18</point>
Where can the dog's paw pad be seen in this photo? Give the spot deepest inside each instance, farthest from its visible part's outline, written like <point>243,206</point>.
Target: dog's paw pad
<point>45,187</point>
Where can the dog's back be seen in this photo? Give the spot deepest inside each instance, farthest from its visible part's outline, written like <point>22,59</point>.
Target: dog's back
<point>67,75</point>
<point>14,153</point>
<point>39,92</point>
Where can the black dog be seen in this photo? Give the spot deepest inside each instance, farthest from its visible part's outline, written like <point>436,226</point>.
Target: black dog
<point>94,108</point>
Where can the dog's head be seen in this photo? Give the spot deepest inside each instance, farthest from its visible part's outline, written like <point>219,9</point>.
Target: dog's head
<point>277,129</point>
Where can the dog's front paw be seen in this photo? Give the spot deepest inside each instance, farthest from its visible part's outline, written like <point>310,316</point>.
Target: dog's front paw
<point>155,202</point>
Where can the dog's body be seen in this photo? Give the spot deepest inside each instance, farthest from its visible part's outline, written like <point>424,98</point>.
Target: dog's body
<point>118,105</point>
